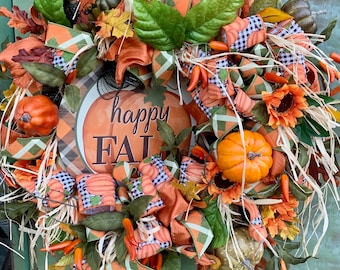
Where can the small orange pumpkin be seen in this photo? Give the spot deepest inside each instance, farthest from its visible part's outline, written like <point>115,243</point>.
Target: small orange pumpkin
<point>36,115</point>
<point>231,159</point>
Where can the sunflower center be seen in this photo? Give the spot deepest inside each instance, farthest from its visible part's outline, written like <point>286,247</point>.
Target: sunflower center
<point>286,103</point>
<point>222,183</point>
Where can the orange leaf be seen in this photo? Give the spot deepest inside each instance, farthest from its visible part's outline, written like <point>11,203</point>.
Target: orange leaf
<point>133,52</point>
<point>84,4</point>
<point>19,19</point>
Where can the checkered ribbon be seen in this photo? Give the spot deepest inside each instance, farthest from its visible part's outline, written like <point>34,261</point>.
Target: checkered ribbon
<point>27,148</point>
<point>67,187</point>
<point>249,31</point>
<point>286,28</point>
<point>295,63</point>
<point>60,60</point>
<point>85,196</point>
<point>221,79</point>
<point>183,178</point>
<point>196,98</point>
<point>137,187</point>
<point>155,163</point>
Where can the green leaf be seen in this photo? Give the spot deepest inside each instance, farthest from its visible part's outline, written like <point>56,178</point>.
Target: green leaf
<point>4,43</point>
<point>138,206</point>
<point>264,193</point>
<point>158,24</point>
<point>155,95</point>
<point>204,20</point>
<point>166,133</point>
<point>87,62</point>
<point>44,73</point>
<point>72,97</point>
<point>313,102</point>
<point>52,10</point>
<point>291,259</point>
<point>303,156</point>
<point>106,221</point>
<point>64,261</point>
<point>259,5</point>
<point>15,210</point>
<point>171,260</point>
<point>260,112</point>
<point>92,256</point>
<point>300,192</point>
<point>287,244</point>
<point>308,128</point>
<point>327,32</point>
<point>182,136</point>
<point>120,249</point>
<point>270,265</point>
<point>223,75</point>
<point>216,223</point>
<point>80,231</point>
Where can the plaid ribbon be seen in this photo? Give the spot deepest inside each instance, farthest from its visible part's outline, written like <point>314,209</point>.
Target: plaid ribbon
<point>67,145</point>
<point>200,231</point>
<point>27,148</point>
<point>223,121</point>
<point>66,39</point>
<point>163,65</point>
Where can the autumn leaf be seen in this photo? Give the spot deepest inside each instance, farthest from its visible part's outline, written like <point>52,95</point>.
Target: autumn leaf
<point>127,52</point>
<point>115,24</point>
<point>84,4</point>
<point>274,15</point>
<point>19,19</point>
<point>30,45</point>
<point>189,190</point>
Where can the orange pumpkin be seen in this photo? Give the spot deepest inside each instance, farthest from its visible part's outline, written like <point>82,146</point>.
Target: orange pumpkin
<point>36,115</point>
<point>124,128</point>
<point>255,157</point>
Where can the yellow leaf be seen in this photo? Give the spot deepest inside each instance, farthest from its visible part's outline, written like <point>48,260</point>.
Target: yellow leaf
<point>335,114</point>
<point>114,24</point>
<point>189,190</point>
<point>274,15</point>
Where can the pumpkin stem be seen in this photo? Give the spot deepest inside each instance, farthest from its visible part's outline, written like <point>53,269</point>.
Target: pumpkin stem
<point>252,155</point>
<point>26,117</point>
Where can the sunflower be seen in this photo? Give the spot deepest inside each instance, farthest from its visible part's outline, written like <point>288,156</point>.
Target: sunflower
<point>228,191</point>
<point>285,105</point>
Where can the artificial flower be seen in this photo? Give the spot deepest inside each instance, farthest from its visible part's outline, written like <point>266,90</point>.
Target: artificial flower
<point>280,218</point>
<point>285,105</point>
<point>228,191</point>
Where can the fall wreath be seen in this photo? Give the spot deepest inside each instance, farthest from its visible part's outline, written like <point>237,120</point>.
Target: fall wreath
<point>136,133</point>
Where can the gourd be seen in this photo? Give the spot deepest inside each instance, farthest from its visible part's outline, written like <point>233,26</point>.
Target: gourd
<point>255,157</point>
<point>36,115</point>
<point>300,10</point>
<point>251,249</point>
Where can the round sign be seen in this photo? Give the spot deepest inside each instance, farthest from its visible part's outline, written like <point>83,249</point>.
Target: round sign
<point>124,128</point>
